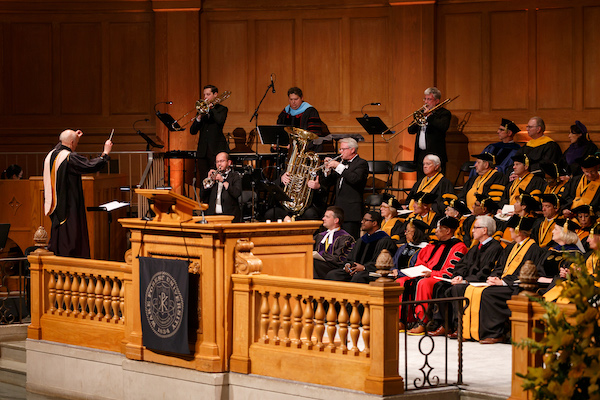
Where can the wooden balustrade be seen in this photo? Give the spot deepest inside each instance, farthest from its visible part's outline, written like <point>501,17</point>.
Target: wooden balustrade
<point>284,324</point>
<point>83,297</point>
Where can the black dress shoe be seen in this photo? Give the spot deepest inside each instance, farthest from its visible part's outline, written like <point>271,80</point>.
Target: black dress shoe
<point>491,340</point>
<point>453,335</point>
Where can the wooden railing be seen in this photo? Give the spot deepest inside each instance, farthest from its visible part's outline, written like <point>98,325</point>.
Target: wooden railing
<point>78,301</point>
<point>525,319</point>
<point>282,325</point>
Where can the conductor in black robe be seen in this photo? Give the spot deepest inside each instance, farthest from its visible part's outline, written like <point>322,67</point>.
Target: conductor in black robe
<point>63,194</point>
<point>209,127</point>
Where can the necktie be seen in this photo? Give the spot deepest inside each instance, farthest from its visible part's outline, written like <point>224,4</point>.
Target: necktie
<point>345,162</point>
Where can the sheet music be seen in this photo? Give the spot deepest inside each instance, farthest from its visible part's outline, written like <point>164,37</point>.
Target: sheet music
<point>114,205</point>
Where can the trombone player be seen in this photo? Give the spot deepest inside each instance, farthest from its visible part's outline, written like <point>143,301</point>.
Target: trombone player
<point>431,138</point>
<point>209,128</point>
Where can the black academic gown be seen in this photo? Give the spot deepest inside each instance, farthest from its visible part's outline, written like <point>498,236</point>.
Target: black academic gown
<point>69,233</point>
<point>365,252</point>
<point>334,256</point>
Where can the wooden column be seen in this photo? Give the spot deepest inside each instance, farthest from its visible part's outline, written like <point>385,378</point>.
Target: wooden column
<point>177,50</point>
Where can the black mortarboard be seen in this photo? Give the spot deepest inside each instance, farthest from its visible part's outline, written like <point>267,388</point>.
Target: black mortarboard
<point>550,169</point>
<point>449,222</point>
<point>425,198</point>
<point>584,208</point>
<point>391,201</point>
<point>487,202</point>
<point>551,198</point>
<point>459,206</point>
<point>511,126</point>
<point>571,225</point>
<point>522,158</point>
<point>520,223</point>
<point>529,201</point>
<point>485,157</point>
<point>590,161</point>
<point>418,224</point>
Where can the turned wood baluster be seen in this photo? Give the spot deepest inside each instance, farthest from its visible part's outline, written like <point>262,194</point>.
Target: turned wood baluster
<point>90,296</point>
<point>107,298</point>
<point>115,300</point>
<point>354,325</point>
<point>122,300</point>
<point>67,290</point>
<point>366,323</point>
<point>264,318</point>
<point>83,296</point>
<point>331,322</point>
<point>309,323</point>
<point>60,293</point>
<point>275,323</point>
<point>343,321</point>
<point>297,325</point>
<point>52,292</point>
<point>75,294</point>
<point>319,323</point>
<point>98,297</point>
<point>286,312</point>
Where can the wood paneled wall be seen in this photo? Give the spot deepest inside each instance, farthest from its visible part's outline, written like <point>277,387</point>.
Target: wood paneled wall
<point>98,65</point>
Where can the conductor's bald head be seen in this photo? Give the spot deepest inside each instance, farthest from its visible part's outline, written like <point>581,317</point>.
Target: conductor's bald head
<point>70,138</point>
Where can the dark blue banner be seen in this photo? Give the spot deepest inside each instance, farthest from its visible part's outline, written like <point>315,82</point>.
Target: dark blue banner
<point>163,304</point>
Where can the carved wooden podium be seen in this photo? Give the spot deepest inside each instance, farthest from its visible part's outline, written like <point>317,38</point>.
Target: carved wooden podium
<point>215,250</point>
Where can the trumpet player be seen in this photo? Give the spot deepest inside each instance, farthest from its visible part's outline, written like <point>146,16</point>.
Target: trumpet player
<point>350,178</point>
<point>431,138</point>
<point>222,189</point>
<point>209,128</point>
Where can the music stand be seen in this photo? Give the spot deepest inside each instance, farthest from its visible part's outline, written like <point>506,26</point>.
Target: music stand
<point>169,122</point>
<point>373,126</point>
<point>149,142</point>
<point>274,134</point>
<point>109,208</point>
<point>273,190</point>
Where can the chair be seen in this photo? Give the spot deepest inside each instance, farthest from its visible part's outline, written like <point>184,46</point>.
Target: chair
<point>373,201</point>
<point>464,169</point>
<point>380,168</point>
<point>403,167</point>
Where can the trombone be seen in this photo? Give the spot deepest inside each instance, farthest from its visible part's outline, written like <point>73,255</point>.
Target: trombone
<point>203,107</point>
<point>419,118</point>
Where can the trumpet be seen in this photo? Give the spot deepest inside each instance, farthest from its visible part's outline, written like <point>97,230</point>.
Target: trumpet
<point>209,181</point>
<point>322,166</point>
<point>419,118</point>
<point>202,107</point>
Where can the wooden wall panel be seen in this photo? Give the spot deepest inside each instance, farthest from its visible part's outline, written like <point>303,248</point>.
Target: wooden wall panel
<point>4,76</point>
<point>591,57</point>
<point>228,61</point>
<point>463,55</point>
<point>129,68</point>
<point>81,68</point>
<point>31,68</point>
<point>369,63</point>
<point>321,62</point>
<point>509,79</point>
<point>275,53</point>
<point>555,74</point>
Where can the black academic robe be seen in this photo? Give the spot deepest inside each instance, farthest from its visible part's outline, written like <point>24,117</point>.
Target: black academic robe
<point>487,315</point>
<point>588,194</point>
<point>69,233</point>
<point>528,183</point>
<point>442,186</point>
<point>480,184</point>
<point>365,252</point>
<point>334,256</point>
<point>299,121</point>
<point>547,152</point>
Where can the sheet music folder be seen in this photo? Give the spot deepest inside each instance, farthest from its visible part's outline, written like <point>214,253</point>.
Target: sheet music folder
<point>373,125</point>
<point>270,133</point>
<point>169,121</point>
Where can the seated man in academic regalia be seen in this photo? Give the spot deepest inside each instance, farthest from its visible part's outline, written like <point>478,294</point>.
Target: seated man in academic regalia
<point>524,180</point>
<point>485,176</point>
<point>486,318</point>
<point>439,257</point>
<point>543,227</point>
<point>504,149</point>
<point>556,178</point>
<point>540,147</point>
<point>584,189</point>
<point>475,266</point>
<point>484,205</point>
<point>362,257</point>
<point>433,182</point>
<point>332,245</point>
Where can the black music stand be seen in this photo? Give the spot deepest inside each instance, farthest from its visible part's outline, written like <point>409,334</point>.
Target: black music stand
<point>273,190</point>
<point>149,142</point>
<point>274,134</point>
<point>169,122</point>
<point>109,208</point>
<point>373,126</point>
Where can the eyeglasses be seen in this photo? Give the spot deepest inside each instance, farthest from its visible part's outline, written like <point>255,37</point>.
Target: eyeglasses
<point>478,227</point>
<point>366,220</point>
<point>531,126</point>
<point>344,148</point>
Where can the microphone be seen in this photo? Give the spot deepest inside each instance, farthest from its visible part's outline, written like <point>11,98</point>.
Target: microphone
<point>161,102</point>
<point>145,120</point>
<point>368,104</point>
<point>273,82</point>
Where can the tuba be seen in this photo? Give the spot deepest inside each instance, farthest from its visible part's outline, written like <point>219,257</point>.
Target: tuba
<point>301,168</point>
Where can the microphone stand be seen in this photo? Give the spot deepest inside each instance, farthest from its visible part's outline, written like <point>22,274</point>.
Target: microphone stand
<point>203,220</point>
<point>255,115</point>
